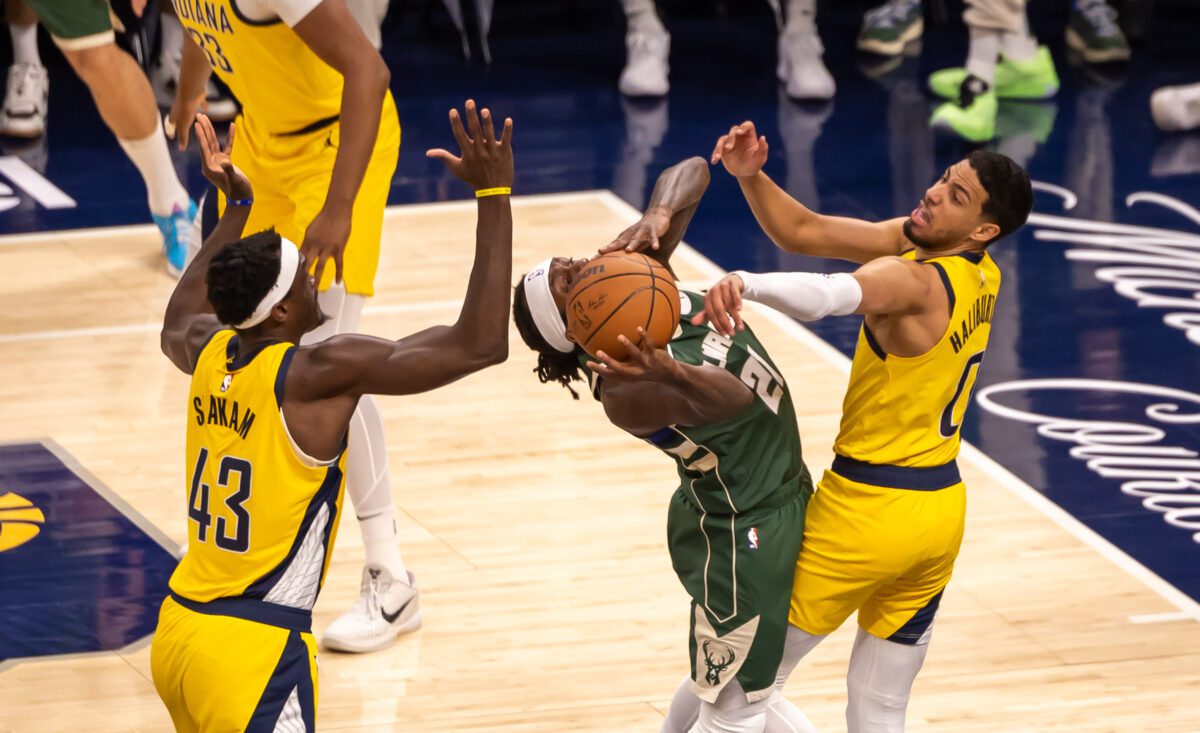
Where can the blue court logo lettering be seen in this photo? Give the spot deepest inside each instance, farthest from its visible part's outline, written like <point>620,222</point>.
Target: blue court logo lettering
<point>20,521</point>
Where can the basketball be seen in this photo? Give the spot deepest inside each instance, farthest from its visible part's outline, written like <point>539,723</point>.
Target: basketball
<point>615,295</point>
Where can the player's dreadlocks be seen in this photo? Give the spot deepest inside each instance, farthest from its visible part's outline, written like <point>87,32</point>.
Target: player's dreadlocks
<point>552,365</point>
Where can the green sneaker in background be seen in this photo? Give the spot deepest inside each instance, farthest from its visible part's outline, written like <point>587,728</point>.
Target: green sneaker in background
<point>889,27</point>
<point>1034,78</point>
<point>1092,30</point>
<point>973,116</point>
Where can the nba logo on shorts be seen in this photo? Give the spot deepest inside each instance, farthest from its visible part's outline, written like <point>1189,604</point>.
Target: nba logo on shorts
<point>752,538</point>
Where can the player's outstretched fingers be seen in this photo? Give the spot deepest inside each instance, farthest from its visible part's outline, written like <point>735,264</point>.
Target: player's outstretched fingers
<point>489,130</point>
<point>473,127</point>
<point>735,299</point>
<point>456,126</point>
<point>718,149</point>
<point>229,138</point>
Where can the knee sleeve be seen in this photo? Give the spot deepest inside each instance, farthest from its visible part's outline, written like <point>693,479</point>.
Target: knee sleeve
<point>731,713</point>
<point>879,682</point>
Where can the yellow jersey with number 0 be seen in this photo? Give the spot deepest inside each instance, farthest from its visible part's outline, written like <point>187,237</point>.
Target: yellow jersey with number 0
<point>907,411</point>
<point>262,516</point>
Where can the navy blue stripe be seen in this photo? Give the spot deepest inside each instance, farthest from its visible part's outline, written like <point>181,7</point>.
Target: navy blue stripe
<point>974,257</point>
<point>233,362</point>
<point>291,673</point>
<point>209,214</point>
<point>313,127</point>
<point>913,629</point>
<point>327,494</point>
<point>897,477</point>
<point>248,21</point>
<point>251,609</point>
<point>281,375</point>
<point>873,343</point>
<point>946,281</point>
<point>662,437</point>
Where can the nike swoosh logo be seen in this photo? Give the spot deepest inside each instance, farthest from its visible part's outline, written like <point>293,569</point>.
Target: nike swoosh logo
<point>391,617</point>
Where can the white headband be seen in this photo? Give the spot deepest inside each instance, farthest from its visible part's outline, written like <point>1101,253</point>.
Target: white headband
<point>545,313</point>
<point>289,261</point>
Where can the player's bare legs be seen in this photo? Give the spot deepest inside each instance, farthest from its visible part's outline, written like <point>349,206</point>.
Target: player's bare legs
<point>123,96</point>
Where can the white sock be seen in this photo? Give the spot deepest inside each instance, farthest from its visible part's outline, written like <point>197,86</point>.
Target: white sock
<point>641,15</point>
<point>370,488</point>
<point>801,16</point>
<point>982,54</point>
<point>153,161</point>
<point>172,37</point>
<point>24,41</point>
<point>1019,46</point>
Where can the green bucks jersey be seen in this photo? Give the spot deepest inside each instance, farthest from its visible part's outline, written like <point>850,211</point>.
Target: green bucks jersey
<point>745,462</point>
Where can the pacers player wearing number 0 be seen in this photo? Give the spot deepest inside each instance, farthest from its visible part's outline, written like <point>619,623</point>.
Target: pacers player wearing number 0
<point>320,137</point>
<point>267,425</point>
<point>885,524</point>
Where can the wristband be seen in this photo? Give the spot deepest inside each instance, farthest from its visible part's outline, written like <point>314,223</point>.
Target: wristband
<point>240,202</point>
<point>498,191</point>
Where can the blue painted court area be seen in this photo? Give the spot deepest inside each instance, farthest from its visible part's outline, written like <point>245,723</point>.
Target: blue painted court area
<point>90,578</point>
<point>1091,386</point>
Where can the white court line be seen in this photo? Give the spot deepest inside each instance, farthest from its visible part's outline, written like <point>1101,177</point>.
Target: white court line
<point>390,212</point>
<point>73,333</point>
<point>1188,608</point>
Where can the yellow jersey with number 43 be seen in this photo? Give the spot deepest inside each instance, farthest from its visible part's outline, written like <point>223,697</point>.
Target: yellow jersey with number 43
<point>262,515</point>
<point>283,86</point>
<point>907,411</point>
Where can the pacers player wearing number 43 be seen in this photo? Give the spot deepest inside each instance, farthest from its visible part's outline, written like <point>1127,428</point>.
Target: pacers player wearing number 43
<point>884,526</point>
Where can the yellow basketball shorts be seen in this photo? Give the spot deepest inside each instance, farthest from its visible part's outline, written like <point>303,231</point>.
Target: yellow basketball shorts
<point>220,674</point>
<point>886,552</point>
<point>291,175</point>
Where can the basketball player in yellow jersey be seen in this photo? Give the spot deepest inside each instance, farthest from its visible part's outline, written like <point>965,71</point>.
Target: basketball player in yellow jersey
<point>267,425</point>
<point>319,138</point>
<point>884,527</point>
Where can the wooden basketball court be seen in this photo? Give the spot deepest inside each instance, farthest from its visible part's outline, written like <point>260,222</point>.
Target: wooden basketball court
<point>537,530</point>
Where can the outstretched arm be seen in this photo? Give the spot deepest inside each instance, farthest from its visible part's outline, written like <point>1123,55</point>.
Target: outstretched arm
<point>188,322</point>
<point>674,202</point>
<point>884,286</point>
<point>356,365</point>
<point>791,225</point>
<point>650,390</point>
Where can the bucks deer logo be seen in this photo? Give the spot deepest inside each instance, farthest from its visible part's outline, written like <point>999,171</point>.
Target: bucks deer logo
<point>717,657</point>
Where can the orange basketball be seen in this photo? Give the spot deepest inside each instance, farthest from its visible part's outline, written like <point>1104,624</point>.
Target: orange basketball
<point>614,295</point>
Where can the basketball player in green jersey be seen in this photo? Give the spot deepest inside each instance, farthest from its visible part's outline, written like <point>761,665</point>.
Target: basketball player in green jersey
<point>719,407</point>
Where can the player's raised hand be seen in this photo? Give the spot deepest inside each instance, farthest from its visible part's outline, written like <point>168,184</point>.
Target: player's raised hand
<point>643,234</point>
<point>218,162</point>
<point>645,363</point>
<point>484,160</point>
<point>741,150</point>
<point>723,306</point>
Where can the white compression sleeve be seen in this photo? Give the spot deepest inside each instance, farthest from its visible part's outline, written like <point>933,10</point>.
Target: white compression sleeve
<point>879,681</point>
<point>807,296</point>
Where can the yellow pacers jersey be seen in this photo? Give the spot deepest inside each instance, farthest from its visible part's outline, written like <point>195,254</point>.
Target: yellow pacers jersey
<point>907,411</point>
<point>262,516</point>
<point>284,87</point>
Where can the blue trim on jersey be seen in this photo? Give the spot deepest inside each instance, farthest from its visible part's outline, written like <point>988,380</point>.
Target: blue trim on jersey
<point>662,437</point>
<point>946,281</point>
<point>251,609</point>
<point>897,477</point>
<point>233,362</point>
<point>281,375</point>
<point>913,629</point>
<point>972,257</point>
<point>873,343</point>
<point>291,673</point>
<point>326,494</point>
<point>251,21</point>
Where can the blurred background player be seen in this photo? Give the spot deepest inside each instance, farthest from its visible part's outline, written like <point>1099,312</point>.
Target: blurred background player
<point>83,30</point>
<point>1092,30</point>
<point>1176,108</point>
<point>233,648</point>
<point>320,139</point>
<point>800,67</point>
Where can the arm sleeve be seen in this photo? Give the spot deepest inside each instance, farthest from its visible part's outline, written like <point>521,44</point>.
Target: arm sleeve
<point>807,296</point>
<point>291,12</point>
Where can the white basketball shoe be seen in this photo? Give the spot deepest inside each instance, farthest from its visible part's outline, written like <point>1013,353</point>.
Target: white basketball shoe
<point>646,68</point>
<point>385,609</point>
<point>1176,108</point>
<point>801,68</point>
<point>26,101</point>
